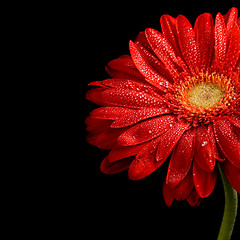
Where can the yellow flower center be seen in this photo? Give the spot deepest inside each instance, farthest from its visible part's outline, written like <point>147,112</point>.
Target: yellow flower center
<point>205,95</point>
<point>202,97</point>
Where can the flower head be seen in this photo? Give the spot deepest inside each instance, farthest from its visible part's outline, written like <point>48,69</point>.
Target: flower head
<point>176,98</point>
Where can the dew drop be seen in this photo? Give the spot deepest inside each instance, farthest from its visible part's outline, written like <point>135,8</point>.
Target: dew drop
<point>204,143</point>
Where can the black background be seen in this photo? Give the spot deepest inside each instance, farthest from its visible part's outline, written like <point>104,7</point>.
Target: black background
<point>117,207</point>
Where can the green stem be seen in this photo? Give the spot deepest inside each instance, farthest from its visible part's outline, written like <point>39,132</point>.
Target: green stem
<point>230,209</point>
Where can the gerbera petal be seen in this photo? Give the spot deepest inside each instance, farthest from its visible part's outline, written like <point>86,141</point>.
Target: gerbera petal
<point>203,150</point>
<point>142,40</point>
<point>109,113</point>
<point>184,188</point>
<point>232,174</point>
<point>194,199</point>
<point>96,125</point>
<point>238,67</point>
<point>115,167</point>
<point>145,162</point>
<point>233,50</point>
<point>204,181</point>
<point>228,138</point>
<point>146,130</point>
<point>143,44</point>
<point>163,50</point>
<point>167,194</point>
<point>154,62</point>
<point>125,116</point>
<point>235,119</point>
<point>188,44</point>
<point>204,30</point>
<point>94,95</point>
<point>169,140</point>
<point>127,98</point>
<point>134,116</point>
<point>136,85</point>
<point>231,17</point>
<point>120,152</point>
<point>151,75</point>
<point>169,29</point>
<point>141,89</point>
<point>180,192</point>
<point>220,39</point>
<point>123,67</point>
<point>181,159</point>
<point>213,143</point>
<point>105,138</point>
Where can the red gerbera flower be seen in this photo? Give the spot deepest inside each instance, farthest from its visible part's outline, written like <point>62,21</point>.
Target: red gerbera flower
<point>176,96</point>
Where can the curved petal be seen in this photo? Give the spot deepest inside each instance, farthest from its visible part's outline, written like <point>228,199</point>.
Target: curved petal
<point>94,95</point>
<point>213,143</point>
<point>237,68</point>
<point>180,192</point>
<point>96,125</point>
<point>231,17</point>
<point>154,62</point>
<point>204,30</point>
<point>235,119</point>
<point>163,50</point>
<point>136,85</point>
<point>115,167</point>
<point>169,140</point>
<point>135,116</point>
<point>220,39</point>
<point>120,152</point>
<point>110,113</point>
<point>145,162</point>
<point>124,117</point>
<point>105,138</point>
<point>228,138</point>
<point>142,40</point>
<point>232,174</point>
<point>184,188</point>
<point>167,194</point>
<point>203,150</point>
<point>194,199</point>
<point>233,50</point>
<point>100,129</point>
<point>146,130</point>
<point>169,29</point>
<point>151,75</point>
<point>204,181</point>
<point>188,44</point>
<point>126,98</point>
<point>181,159</point>
<point>123,67</point>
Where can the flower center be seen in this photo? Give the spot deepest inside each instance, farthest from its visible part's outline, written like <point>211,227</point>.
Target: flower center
<point>205,94</point>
